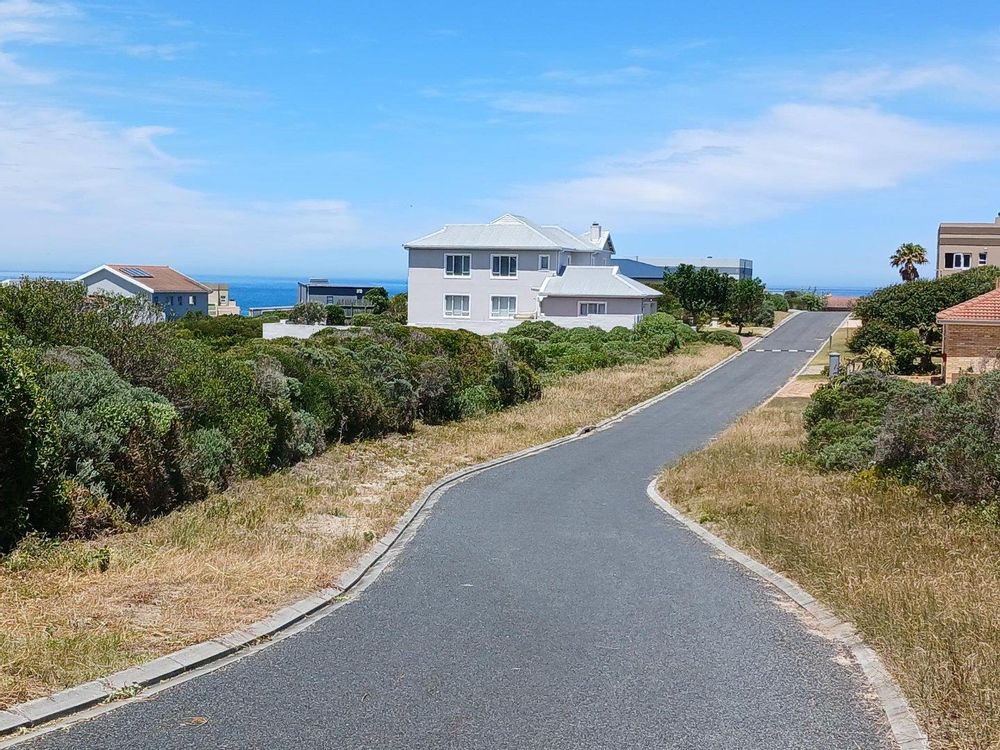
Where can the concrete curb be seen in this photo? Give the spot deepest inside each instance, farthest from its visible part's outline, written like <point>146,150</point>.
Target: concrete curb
<point>303,613</point>
<point>902,722</point>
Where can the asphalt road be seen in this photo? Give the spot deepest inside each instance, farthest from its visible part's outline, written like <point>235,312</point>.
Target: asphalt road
<point>545,604</point>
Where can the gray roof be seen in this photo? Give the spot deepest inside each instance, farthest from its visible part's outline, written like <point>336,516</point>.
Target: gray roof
<point>705,262</point>
<point>594,281</point>
<point>510,232</point>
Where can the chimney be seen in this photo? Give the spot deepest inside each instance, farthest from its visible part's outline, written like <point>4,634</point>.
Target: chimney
<point>997,219</point>
<point>595,230</point>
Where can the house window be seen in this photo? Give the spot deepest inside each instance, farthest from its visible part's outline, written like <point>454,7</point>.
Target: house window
<point>957,260</point>
<point>156,299</point>
<point>503,307</point>
<point>456,305</point>
<point>504,266</point>
<point>543,262</point>
<point>191,299</point>
<point>982,259</point>
<point>593,308</point>
<point>457,265</point>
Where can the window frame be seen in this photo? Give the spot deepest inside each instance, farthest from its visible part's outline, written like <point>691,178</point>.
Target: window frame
<point>548,262</point>
<point>468,306</point>
<point>498,256</point>
<point>447,275</point>
<point>983,258</point>
<point>513,311</point>
<point>962,257</point>
<point>598,305</point>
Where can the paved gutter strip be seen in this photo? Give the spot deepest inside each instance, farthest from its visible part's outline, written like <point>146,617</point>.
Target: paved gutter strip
<point>905,729</point>
<point>306,611</point>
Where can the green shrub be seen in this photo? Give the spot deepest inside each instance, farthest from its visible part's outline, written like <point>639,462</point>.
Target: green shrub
<point>765,315</point>
<point>311,313</point>
<point>780,302</point>
<point>725,338</point>
<point>873,333</point>
<point>221,333</point>
<point>335,315</point>
<point>915,304</point>
<point>29,491</point>
<point>207,462</point>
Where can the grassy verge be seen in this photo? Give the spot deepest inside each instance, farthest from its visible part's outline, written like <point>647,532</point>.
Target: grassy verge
<point>73,611</point>
<point>920,579</point>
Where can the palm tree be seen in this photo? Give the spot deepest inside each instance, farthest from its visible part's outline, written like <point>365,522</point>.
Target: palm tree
<point>906,258</point>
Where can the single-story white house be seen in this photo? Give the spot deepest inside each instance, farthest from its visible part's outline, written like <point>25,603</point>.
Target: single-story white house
<point>595,296</point>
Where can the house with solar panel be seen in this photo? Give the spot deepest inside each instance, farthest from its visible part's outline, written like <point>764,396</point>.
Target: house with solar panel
<point>170,290</point>
<point>487,278</point>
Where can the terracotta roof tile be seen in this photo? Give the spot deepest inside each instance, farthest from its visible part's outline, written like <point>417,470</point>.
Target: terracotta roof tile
<point>985,307</point>
<point>160,278</point>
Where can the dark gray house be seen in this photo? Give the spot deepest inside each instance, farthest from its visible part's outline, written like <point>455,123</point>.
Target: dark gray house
<point>647,269</point>
<point>173,292</point>
<point>351,298</point>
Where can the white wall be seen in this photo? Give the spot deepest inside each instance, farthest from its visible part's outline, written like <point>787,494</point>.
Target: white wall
<point>607,322</point>
<point>427,285</point>
<point>293,330</point>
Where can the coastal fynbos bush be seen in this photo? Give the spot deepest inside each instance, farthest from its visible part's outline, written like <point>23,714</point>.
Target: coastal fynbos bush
<point>944,439</point>
<point>29,493</point>
<point>552,350</point>
<point>725,338</point>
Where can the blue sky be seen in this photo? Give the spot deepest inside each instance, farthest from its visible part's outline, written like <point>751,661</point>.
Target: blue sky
<point>315,138</point>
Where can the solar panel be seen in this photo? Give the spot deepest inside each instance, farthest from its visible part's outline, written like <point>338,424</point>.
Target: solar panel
<point>137,273</point>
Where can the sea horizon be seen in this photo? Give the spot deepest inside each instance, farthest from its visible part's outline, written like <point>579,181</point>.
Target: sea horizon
<point>277,291</point>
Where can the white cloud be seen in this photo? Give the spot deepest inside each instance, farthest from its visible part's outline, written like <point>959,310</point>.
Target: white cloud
<point>886,81</point>
<point>615,77</point>
<point>158,51</point>
<point>758,168</point>
<point>75,189</point>
<point>532,102</point>
<point>29,22</point>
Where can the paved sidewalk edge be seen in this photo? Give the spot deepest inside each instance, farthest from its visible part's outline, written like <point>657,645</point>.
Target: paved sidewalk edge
<point>304,612</point>
<point>905,729</point>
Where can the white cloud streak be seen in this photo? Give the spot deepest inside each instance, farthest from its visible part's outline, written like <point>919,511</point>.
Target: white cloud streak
<point>759,168</point>
<point>72,186</point>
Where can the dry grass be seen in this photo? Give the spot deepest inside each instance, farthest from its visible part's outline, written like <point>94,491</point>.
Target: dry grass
<point>920,579</point>
<point>213,566</point>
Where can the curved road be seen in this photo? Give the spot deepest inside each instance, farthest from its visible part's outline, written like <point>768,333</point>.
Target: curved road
<point>545,603</point>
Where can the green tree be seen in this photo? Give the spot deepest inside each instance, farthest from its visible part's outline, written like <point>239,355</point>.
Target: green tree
<point>907,257</point>
<point>308,313</point>
<point>745,301</point>
<point>397,308</point>
<point>335,315</point>
<point>378,298</point>
<point>699,291</point>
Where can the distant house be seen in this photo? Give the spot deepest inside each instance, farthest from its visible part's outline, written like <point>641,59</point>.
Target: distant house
<point>219,301</point>
<point>351,298</point>
<point>172,291</point>
<point>967,245</point>
<point>651,269</point>
<point>595,295</point>
<point>839,303</point>
<point>488,277</point>
<point>971,335</point>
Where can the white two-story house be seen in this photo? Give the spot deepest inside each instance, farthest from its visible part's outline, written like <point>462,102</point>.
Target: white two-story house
<point>488,277</point>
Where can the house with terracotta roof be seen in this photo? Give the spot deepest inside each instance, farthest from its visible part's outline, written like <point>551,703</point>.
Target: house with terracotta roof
<point>971,335</point>
<point>170,290</point>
